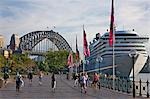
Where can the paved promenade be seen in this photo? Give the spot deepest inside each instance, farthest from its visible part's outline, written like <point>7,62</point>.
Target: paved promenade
<point>64,90</point>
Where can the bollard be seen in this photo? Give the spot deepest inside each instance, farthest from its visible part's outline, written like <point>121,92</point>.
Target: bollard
<point>133,88</point>
<point>116,82</point>
<point>119,84</point>
<point>147,89</point>
<point>140,82</point>
<point>127,86</point>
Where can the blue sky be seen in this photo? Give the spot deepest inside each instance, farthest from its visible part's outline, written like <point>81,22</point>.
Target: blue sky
<point>68,16</point>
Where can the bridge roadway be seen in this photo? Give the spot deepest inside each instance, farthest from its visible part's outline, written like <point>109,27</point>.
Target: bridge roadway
<point>64,90</point>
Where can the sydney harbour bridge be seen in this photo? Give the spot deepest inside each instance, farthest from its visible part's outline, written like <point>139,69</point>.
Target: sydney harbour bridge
<point>38,42</point>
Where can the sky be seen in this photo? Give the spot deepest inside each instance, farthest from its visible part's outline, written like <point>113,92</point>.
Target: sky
<point>68,16</point>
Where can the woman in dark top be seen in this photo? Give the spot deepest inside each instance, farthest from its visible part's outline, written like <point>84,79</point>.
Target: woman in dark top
<point>30,77</point>
<point>53,82</point>
<point>18,82</point>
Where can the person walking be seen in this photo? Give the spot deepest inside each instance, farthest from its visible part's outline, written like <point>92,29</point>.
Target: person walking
<point>95,80</point>
<point>18,82</point>
<point>53,82</point>
<point>83,83</point>
<point>40,77</point>
<point>79,79</point>
<point>75,80</point>
<point>6,76</point>
<point>87,79</point>
<point>30,77</point>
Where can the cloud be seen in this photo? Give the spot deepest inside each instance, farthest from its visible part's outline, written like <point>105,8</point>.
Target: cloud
<point>68,16</point>
<point>133,14</point>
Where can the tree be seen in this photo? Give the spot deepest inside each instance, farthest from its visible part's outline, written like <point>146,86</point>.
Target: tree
<point>43,66</point>
<point>57,60</point>
<point>21,62</point>
<point>2,61</point>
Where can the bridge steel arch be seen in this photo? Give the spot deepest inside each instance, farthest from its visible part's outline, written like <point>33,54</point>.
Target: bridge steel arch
<point>30,40</point>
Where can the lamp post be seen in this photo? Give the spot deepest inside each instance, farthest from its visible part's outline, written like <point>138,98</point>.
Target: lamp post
<point>85,62</point>
<point>133,54</point>
<point>99,59</point>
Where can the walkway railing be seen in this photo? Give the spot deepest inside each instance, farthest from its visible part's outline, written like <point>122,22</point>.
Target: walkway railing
<point>126,85</point>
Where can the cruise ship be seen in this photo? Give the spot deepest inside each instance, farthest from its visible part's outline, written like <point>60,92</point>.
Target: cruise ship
<point>125,41</point>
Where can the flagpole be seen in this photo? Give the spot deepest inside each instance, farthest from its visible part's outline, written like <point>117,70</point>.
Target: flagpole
<point>76,57</point>
<point>112,41</point>
<point>113,61</point>
<point>83,63</point>
<point>83,50</point>
<point>76,67</point>
<point>113,48</point>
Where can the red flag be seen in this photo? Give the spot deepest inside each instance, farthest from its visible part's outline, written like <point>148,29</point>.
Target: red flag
<point>77,51</point>
<point>70,60</point>
<point>85,44</point>
<point>111,33</point>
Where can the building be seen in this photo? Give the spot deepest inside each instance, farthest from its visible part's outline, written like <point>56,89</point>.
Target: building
<point>14,42</point>
<point>1,41</point>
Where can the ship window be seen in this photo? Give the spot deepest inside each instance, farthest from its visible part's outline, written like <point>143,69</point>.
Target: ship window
<point>129,46</point>
<point>125,50</point>
<point>125,35</point>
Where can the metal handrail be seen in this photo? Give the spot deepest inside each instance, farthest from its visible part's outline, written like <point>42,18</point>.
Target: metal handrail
<point>125,85</point>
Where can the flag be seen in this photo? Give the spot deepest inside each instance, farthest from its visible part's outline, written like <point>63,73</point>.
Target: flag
<point>77,51</point>
<point>85,44</point>
<point>70,60</point>
<point>111,33</point>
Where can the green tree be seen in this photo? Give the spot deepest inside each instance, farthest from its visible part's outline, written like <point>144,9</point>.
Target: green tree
<point>2,61</point>
<point>21,62</point>
<point>57,60</point>
<point>43,66</point>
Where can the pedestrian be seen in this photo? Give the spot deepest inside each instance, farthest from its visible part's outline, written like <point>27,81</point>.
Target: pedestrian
<point>40,77</point>
<point>75,80</point>
<point>6,76</point>
<point>22,82</point>
<point>95,80</point>
<point>67,76</point>
<point>18,82</point>
<point>30,77</point>
<point>99,81</point>
<point>83,83</point>
<point>79,79</point>
<point>87,79</point>
<point>53,82</point>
